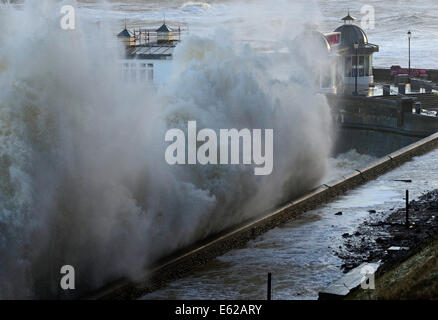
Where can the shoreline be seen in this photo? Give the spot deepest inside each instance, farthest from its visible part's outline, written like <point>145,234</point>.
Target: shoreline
<point>412,260</point>
<point>176,266</point>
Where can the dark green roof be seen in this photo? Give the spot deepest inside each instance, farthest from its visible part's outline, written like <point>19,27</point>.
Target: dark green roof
<point>125,34</point>
<point>348,18</point>
<point>163,28</point>
<point>350,34</point>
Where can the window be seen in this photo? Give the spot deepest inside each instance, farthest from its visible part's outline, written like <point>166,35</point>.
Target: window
<point>143,72</point>
<point>370,66</point>
<point>353,66</point>
<point>367,65</point>
<point>142,75</point>
<point>347,67</point>
<point>361,66</point>
<point>140,71</point>
<point>150,72</point>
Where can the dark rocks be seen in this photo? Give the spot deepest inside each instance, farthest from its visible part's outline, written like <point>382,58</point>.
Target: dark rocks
<point>380,240</point>
<point>338,213</point>
<point>372,211</point>
<point>373,237</point>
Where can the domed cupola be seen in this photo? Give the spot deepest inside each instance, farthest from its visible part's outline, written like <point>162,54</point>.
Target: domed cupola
<point>351,33</point>
<point>356,56</point>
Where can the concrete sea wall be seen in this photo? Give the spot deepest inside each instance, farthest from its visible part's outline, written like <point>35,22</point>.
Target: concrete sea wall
<point>181,263</point>
<point>377,126</point>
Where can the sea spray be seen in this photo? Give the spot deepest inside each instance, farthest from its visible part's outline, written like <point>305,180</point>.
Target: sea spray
<point>83,177</point>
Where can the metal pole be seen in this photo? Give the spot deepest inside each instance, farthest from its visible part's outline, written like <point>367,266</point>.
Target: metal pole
<point>269,286</point>
<point>409,57</point>
<point>409,68</point>
<point>407,207</point>
<point>355,80</point>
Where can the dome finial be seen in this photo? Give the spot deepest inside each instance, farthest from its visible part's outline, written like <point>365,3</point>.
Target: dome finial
<point>348,19</point>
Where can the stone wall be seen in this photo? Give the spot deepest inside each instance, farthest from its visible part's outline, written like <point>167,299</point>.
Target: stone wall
<point>377,126</point>
<point>381,75</point>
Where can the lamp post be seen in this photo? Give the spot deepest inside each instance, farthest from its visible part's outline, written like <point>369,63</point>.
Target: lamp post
<point>356,47</point>
<point>409,68</point>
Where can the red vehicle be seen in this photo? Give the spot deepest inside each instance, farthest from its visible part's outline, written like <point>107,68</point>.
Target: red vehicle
<point>416,73</point>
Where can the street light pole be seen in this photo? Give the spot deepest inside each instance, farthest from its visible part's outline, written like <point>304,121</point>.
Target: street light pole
<point>409,68</point>
<point>356,47</point>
